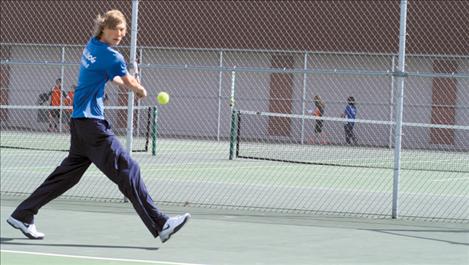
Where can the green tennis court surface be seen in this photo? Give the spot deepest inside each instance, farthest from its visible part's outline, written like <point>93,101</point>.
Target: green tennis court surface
<point>293,212</point>
<point>27,258</point>
<point>79,232</point>
<point>200,173</point>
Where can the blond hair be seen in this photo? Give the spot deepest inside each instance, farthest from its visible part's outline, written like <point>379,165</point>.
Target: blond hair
<point>110,20</point>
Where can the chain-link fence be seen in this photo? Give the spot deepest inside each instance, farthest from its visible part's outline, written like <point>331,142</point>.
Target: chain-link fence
<point>272,80</point>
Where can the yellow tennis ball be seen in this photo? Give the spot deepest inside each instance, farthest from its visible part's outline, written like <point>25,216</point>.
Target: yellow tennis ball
<point>163,98</point>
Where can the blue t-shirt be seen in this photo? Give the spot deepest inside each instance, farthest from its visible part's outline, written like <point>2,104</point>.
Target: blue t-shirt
<point>99,64</point>
<point>351,113</point>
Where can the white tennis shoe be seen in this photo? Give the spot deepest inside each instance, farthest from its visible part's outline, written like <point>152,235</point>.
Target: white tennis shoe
<point>172,225</point>
<point>28,230</point>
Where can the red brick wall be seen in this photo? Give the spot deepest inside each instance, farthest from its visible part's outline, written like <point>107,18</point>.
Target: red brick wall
<point>364,26</point>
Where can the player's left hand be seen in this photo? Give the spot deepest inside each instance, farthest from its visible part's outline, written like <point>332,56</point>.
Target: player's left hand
<point>141,93</point>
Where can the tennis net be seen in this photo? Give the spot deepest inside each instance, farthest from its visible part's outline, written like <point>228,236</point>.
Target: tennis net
<point>47,128</point>
<point>292,138</point>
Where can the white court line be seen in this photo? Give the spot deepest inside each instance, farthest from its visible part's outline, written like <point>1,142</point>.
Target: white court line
<point>450,179</point>
<point>98,258</point>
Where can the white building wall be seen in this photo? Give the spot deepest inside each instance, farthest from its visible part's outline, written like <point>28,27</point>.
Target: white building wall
<point>199,105</point>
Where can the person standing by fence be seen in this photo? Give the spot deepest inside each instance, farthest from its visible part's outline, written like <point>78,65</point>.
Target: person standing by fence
<point>319,107</point>
<point>55,95</point>
<point>69,103</point>
<point>350,113</point>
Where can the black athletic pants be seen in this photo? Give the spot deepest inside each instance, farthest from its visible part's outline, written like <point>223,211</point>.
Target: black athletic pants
<point>92,141</point>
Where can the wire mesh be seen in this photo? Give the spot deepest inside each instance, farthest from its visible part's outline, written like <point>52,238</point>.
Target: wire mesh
<point>47,127</point>
<point>291,138</point>
<point>283,54</point>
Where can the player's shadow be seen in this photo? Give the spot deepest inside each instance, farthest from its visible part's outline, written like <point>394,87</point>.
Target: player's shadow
<point>11,241</point>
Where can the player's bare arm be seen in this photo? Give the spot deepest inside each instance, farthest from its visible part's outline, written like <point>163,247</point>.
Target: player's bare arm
<point>131,83</point>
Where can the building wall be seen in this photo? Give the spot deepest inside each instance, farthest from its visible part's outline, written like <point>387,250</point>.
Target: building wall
<point>200,102</point>
<point>338,26</point>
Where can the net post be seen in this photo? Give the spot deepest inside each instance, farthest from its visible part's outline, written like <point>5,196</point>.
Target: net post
<point>154,130</point>
<point>148,128</point>
<point>233,133</point>
<point>238,131</point>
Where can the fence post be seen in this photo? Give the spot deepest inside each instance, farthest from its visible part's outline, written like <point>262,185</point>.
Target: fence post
<point>391,101</point>
<point>62,89</point>
<point>303,105</point>
<point>133,64</point>
<point>220,82</point>
<point>399,110</point>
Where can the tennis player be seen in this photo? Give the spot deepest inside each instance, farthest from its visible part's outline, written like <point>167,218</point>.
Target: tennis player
<point>92,140</point>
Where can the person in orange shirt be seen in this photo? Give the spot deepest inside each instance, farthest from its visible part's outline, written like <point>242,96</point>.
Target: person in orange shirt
<point>70,95</point>
<point>55,101</point>
<point>318,112</point>
<point>69,103</point>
